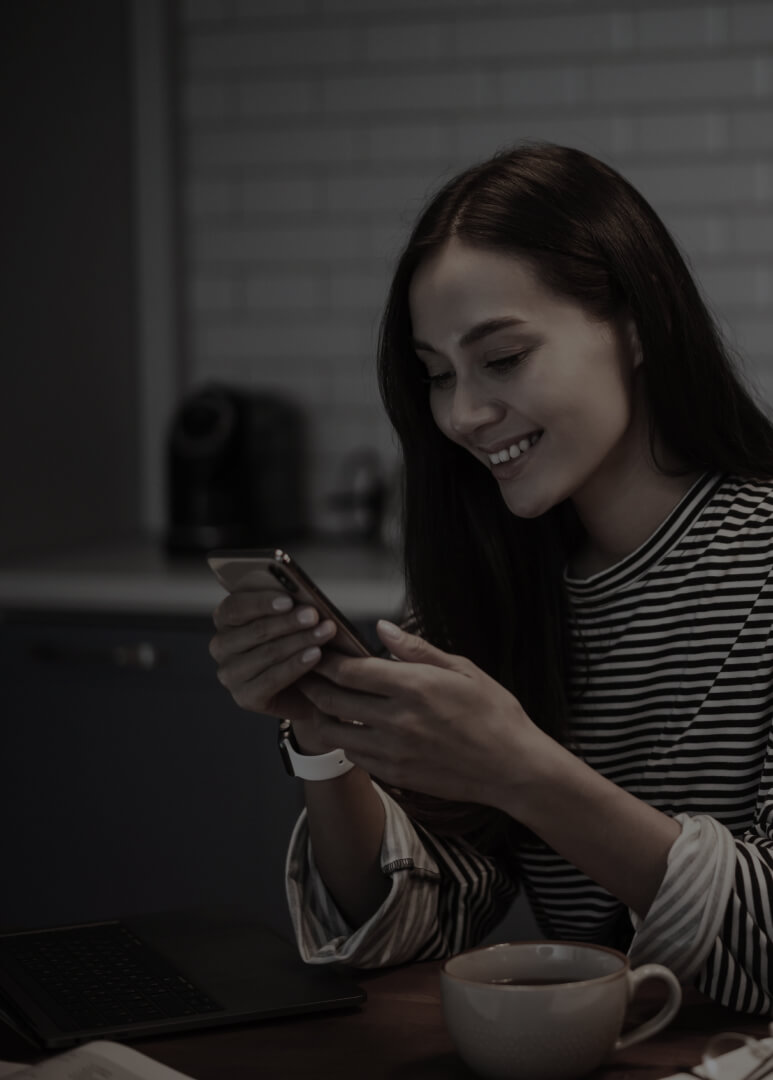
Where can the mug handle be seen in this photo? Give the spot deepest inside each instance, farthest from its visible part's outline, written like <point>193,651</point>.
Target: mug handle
<point>666,1014</point>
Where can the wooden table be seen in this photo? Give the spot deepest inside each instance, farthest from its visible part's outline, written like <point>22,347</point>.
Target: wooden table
<point>399,1034</point>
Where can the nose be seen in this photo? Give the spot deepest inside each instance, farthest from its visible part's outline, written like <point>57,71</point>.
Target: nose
<point>471,408</point>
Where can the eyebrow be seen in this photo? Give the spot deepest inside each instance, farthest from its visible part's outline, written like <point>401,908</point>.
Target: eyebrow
<point>476,333</point>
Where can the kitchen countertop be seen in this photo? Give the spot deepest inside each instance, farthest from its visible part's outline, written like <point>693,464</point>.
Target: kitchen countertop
<point>140,578</point>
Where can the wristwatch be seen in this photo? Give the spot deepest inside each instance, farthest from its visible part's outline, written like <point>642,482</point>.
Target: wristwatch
<point>310,766</point>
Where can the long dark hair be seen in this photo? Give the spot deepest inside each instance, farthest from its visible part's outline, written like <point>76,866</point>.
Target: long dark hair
<point>481,582</point>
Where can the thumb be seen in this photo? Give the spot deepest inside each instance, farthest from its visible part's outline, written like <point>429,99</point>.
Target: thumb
<point>414,649</point>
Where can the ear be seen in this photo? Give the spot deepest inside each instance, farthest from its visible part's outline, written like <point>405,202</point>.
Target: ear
<point>634,343</point>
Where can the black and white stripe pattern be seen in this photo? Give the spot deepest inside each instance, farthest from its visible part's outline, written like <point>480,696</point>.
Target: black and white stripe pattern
<point>442,892</point>
<point>672,697</point>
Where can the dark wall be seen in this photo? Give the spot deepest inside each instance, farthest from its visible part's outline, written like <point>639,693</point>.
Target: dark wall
<point>68,393</point>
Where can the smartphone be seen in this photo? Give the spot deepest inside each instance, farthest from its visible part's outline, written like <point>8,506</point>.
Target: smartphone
<point>241,569</point>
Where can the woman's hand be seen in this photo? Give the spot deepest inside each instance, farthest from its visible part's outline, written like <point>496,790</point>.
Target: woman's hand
<point>436,723</point>
<point>431,722</point>
<point>262,647</point>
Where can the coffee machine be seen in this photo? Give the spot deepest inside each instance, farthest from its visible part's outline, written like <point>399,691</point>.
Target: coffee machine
<point>236,471</point>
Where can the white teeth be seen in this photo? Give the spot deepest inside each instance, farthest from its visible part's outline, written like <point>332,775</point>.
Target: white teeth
<point>515,450</point>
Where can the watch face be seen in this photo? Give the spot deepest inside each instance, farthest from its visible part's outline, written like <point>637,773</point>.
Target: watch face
<point>286,758</point>
<point>286,739</point>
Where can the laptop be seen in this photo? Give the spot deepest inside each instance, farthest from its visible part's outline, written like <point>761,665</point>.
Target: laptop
<point>157,974</point>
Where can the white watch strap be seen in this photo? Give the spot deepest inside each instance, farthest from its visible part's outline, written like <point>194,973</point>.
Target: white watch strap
<point>317,766</point>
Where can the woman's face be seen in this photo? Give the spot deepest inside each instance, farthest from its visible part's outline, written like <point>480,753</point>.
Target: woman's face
<point>533,387</point>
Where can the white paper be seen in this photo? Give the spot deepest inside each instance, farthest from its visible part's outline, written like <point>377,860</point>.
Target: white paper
<point>735,1065</point>
<point>101,1060</point>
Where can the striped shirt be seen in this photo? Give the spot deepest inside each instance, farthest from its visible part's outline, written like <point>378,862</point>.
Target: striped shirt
<point>671,699</point>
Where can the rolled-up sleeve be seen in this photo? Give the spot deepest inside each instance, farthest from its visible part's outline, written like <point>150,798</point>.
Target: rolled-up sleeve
<point>444,895</point>
<point>711,921</point>
<point>687,912</point>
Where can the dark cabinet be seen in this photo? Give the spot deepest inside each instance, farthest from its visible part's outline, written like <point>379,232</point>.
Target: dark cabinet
<point>130,780</point>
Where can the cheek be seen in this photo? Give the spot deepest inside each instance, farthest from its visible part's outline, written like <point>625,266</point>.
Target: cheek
<point>613,404</point>
<point>594,398</point>
<point>615,395</point>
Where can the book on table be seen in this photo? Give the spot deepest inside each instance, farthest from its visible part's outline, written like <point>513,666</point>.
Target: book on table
<point>104,1059</point>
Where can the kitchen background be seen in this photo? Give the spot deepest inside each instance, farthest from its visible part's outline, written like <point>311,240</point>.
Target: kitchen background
<point>215,191</point>
<point>312,132</point>
<point>257,164</point>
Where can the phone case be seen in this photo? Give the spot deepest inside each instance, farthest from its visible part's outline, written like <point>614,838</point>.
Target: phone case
<point>271,568</point>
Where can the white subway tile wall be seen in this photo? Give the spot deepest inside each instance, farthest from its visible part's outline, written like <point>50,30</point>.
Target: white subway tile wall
<point>313,131</point>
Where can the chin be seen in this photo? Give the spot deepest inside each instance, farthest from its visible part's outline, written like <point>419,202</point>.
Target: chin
<point>523,506</point>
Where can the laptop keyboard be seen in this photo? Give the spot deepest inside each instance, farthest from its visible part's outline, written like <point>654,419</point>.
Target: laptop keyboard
<point>100,977</point>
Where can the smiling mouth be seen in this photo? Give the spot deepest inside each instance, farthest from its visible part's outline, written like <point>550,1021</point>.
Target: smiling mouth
<point>512,453</point>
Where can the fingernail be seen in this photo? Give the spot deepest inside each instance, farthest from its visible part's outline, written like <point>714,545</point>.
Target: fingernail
<point>311,654</point>
<point>324,629</point>
<point>282,603</point>
<point>389,629</point>
<point>307,616</point>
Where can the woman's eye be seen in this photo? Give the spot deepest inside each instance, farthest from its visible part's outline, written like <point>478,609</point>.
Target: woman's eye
<point>506,363</point>
<point>440,381</point>
<point>500,364</point>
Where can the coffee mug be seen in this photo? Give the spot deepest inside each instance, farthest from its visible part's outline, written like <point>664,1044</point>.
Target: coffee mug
<point>545,1009</point>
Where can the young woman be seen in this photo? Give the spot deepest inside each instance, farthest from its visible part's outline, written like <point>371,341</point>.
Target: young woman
<point>581,703</point>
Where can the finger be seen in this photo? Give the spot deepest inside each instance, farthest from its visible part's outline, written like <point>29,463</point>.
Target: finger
<point>348,705</point>
<point>242,607</point>
<point>373,675</point>
<point>369,675</point>
<point>259,663</point>
<point>230,641</point>
<point>258,694</point>
<point>415,650</point>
